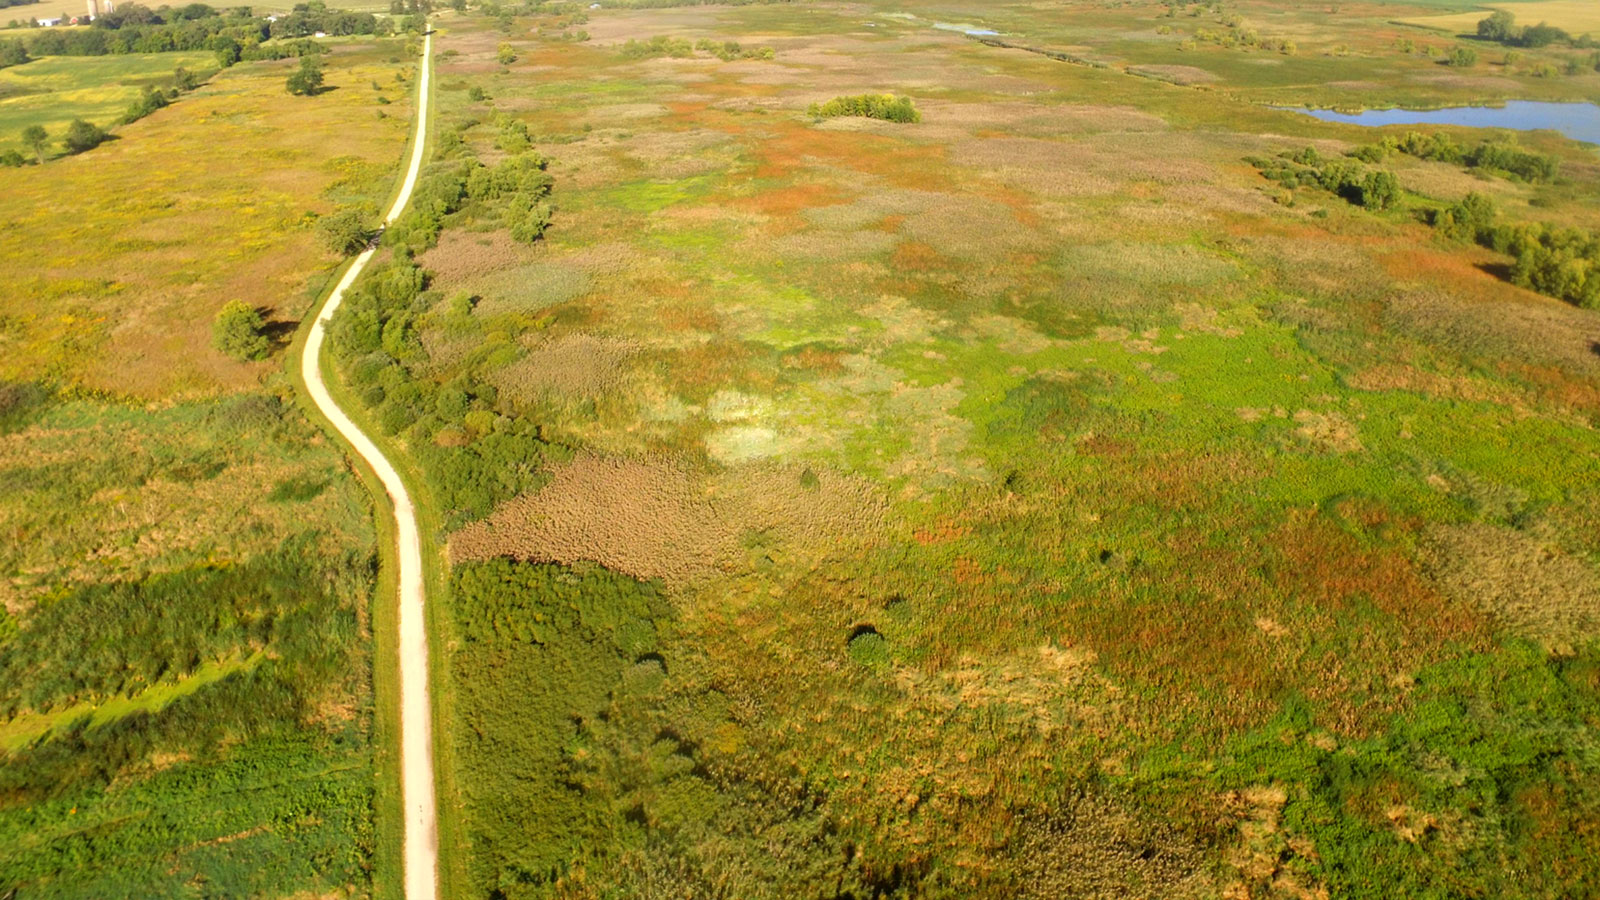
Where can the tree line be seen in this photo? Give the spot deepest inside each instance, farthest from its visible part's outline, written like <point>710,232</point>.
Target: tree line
<point>232,35</point>
<point>1502,28</point>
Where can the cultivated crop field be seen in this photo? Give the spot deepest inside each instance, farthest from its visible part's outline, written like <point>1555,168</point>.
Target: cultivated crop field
<point>1032,500</point>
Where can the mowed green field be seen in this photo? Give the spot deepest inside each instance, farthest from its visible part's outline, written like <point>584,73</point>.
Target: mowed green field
<point>55,90</point>
<point>1033,501</point>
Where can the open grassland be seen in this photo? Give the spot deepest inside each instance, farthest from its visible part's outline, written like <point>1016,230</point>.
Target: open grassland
<point>55,90</point>
<point>120,257</point>
<point>1576,17</point>
<point>1032,501</point>
<point>187,696</point>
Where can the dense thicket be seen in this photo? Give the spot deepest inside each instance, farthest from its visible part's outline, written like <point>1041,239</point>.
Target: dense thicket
<point>1498,156</point>
<point>138,29</point>
<point>872,106</point>
<point>473,457</point>
<point>1371,188</point>
<point>80,812</point>
<point>581,742</point>
<point>1501,26</point>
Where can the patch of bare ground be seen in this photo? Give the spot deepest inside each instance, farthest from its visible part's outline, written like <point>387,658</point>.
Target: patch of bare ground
<point>1523,578</point>
<point>658,519</point>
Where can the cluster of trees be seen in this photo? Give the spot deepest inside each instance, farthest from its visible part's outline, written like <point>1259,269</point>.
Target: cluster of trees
<point>472,457</point>
<point>1369,188</point>
<point>79,137</point>
<point>660,45</point>
<point>872,106</point>
<point>154,98</point>
<point>681,48</point>
<point>310,18</point>
<point>518,190</point>
<point>1502,27</point>
<point>1496,156</point>
<point>1560,262</point>
<point>13,52</point>
<point>139,29</point>
<point>728,51</point>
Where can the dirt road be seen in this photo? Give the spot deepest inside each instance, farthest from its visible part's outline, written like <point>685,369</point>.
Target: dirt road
<point>416,718</point>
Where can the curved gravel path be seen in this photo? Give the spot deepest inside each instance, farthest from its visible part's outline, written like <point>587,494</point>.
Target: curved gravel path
<point>416,717</point>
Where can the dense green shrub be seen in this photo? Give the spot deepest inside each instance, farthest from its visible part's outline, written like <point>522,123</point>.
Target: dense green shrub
<point>345,232</point>
<point>82,136</point>
<point>872,106</point>
<point>1501,27</point>
<point>660,45</point>
<point>1561,262</point>
<point>1468,220</point>
<point>148,102</point>
<point>1373,189</point>
<point>1503,156</point>
<point>238,331</point>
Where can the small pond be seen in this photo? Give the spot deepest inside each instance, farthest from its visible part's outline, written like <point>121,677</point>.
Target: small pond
<point>1580,121</point>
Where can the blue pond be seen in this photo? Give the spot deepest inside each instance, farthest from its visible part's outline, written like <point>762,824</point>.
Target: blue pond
<point>1580,121</point>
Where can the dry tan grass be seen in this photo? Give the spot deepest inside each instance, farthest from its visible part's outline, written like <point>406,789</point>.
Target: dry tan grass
<point>1525,579</point>
<point>573,366</point>
<point>465,256</point>
<point>116,288</point>
<point>661,520</point>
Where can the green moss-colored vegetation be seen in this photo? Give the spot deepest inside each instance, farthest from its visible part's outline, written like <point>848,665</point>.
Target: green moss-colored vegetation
<point>147,667</point>
<point>1035,503</point>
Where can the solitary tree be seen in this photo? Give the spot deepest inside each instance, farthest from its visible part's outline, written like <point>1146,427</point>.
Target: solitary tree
<point>83,136</point>
<point>344,232</point>
<point>237,331</point>
<point>36,137</point>
<point>1500,26</point>
<point>1463,57</point>
<point>506,55</point>
<point>307,80</point>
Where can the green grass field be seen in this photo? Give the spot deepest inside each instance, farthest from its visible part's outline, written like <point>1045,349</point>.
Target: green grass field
<point>1029,502</point>
<point>194,698</point>
<point>55,90</point>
